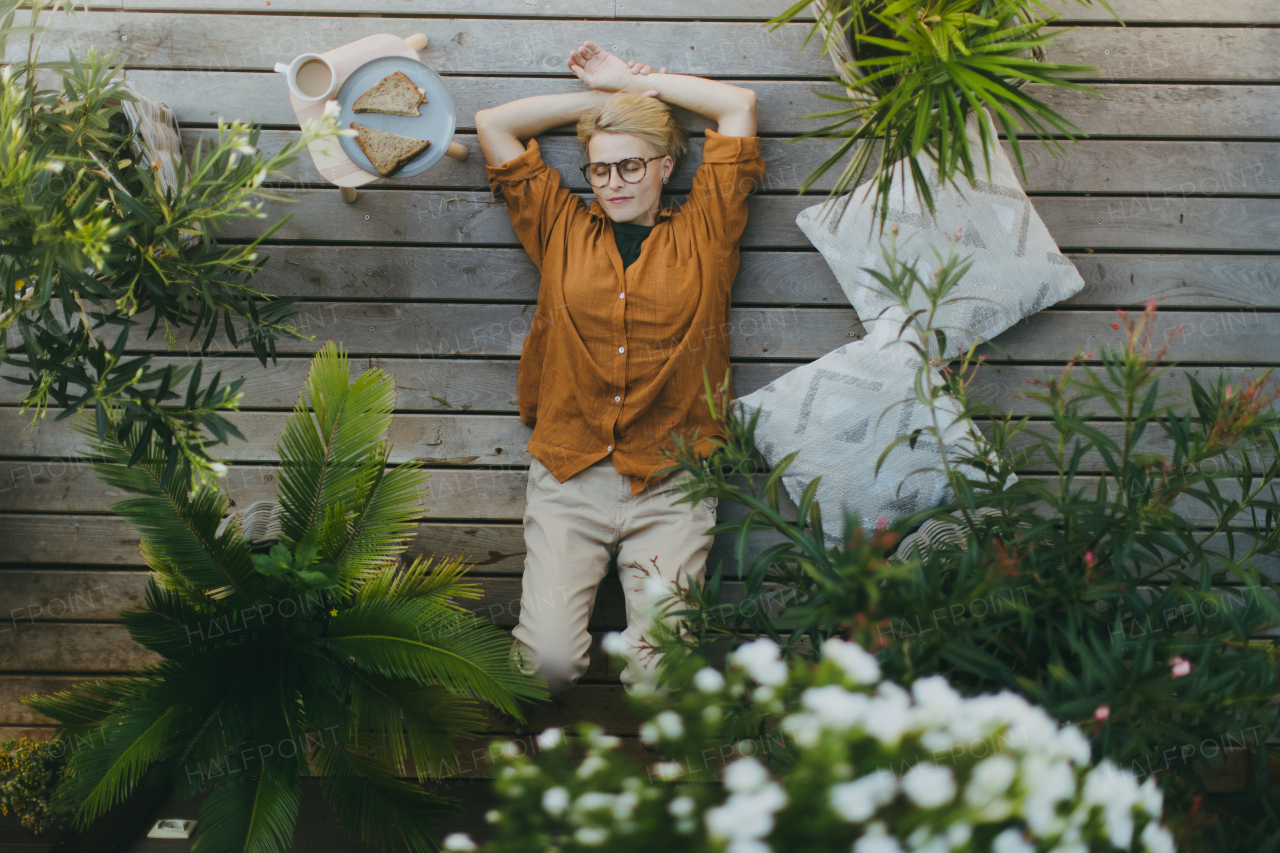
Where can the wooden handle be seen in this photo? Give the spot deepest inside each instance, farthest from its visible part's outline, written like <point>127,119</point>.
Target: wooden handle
<point>417,41</point>
<point>457,151</point>
<point>348,194</point>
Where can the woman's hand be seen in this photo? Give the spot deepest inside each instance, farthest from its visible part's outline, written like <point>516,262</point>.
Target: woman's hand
<point>642,70</point>
<point>599,68</point>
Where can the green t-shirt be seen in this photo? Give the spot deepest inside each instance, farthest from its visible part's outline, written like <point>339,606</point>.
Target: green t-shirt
<point>629,236</point>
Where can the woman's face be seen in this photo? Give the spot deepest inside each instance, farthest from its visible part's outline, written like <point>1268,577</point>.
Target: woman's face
<point>623,201</point>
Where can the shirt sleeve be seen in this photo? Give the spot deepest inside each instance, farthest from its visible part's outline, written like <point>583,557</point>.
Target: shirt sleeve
<point>535,199</point>
<point>731,170</point>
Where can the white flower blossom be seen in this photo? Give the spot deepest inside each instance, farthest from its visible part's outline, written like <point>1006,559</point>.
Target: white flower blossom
<point>682,806</point>
<point>593,801</point>
<point>989,779</point>
<point>1047,785</point>
<point>746,775</point>
<point>929,786</point>
<point>591,836</point>
<point>649,732</point>
<point>668,770</point>
<point>748,845</point>
<point>876,840</point>
<point>858,800</point>
<point>746,816</point>
<point>762,660</point>
<point>708,680</point>
<point>590,765</point>
<point>835,707</point>
<point>218,468</point>
<point>614,643</point>
<point>550,739</point>
<point>331,108</point>
<point>459,842</point>
<point>669,725</point>
<point>1156,839</point>
<point>1011,841</point>
<point>855,661</point>
<point>959,833</point>
<point>1151,798</point>
<point>555,800</point>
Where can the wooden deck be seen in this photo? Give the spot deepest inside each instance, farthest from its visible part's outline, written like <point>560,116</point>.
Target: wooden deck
<point>1176,197</point>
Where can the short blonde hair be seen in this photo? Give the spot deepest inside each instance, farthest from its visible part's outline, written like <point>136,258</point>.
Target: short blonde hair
<point>636,115</point>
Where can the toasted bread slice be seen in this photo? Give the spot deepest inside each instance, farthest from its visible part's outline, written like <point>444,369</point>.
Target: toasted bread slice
<point>395,95</point>
<point>388,152</point>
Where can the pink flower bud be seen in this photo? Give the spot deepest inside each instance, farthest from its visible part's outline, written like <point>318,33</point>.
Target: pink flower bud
<point>1102,712</point>
<point>1088,559</point>
<point>1180,666</point>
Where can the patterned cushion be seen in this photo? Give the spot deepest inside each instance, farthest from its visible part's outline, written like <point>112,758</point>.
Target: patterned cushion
<point>1017,268</point>
<point>831,411</point>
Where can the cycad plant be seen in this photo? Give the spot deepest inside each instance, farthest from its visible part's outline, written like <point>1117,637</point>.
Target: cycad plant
<point>325,654</point>
<point>913,71</point>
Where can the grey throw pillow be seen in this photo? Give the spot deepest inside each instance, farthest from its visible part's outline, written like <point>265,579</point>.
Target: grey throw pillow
<point>1017,268</point>
<point>830,410</point>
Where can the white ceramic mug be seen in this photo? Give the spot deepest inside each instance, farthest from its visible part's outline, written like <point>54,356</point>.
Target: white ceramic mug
<point>311,77</point>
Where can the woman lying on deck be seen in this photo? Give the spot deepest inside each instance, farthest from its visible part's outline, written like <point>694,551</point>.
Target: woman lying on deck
<point>633,307</point>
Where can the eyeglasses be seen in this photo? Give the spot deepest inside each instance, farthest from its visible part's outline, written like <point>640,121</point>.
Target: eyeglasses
<point>631,170</point>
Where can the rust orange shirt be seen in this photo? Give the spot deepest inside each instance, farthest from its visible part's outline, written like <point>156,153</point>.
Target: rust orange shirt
<point>614,359</point>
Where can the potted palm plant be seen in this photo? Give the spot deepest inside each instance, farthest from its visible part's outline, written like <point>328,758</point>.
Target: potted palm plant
<point>914,70</point>
<point>318,652</point>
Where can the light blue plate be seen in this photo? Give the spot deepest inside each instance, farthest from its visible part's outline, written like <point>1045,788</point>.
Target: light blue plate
<point>437,122</point>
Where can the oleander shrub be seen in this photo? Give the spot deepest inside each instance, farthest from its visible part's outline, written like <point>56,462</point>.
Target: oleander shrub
<point>1123,582</point>
<point>99,253</point>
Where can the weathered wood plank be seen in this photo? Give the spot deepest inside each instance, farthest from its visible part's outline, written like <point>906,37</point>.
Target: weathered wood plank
<point>457,45</point>
<point>205,96</point>
<point>481,491</point>
<point>764,278</point>
<point>1243,337</point>
<point>452,8</point>
<point>32,596</point>
<point>485,46</point>
<point>446,385</point>
<point>1169,54</point>
<point>1173,223</point>
<point>68,647</point>
<point>1132,109</point>
<point>102,649</point>
<point>606,705</point>
<point>1107,166</point>
<point>1130,11</point>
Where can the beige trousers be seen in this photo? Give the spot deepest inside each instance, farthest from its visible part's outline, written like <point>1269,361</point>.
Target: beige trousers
<point>571,530</point>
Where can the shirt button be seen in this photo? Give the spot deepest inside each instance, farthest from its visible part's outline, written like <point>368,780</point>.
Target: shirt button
<point>617,399</point>
<point>622,349</point>
<point>622,296</point>
<point>610,447</point>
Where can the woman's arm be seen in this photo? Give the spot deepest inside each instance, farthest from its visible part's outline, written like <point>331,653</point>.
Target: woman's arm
<point>732,108</point>
<point>503,129</point>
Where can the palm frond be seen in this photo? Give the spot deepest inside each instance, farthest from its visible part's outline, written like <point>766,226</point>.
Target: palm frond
<point>403,720</point>
<point>431,644</point>
<point>85,707</point>
<point>383,517</point>
<point>371,800</point>
<point>180,527</point>
<point>103,772</point>
<point>329,440</point>
<point>256,815</point>
<point>423,578</point>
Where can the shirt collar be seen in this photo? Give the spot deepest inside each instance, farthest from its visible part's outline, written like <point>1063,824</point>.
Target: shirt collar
<point>598,212</point>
